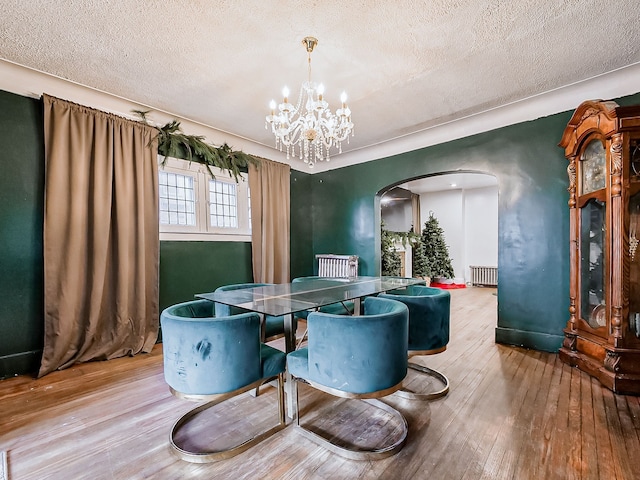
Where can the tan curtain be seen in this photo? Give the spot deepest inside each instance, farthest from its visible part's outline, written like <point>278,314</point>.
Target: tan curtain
<point>101,241</point>
<point>269,184</point>
<point>415,210</point>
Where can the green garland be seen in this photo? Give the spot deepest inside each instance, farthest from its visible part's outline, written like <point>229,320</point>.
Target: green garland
<point>404,237</point>
<point>172,142</point>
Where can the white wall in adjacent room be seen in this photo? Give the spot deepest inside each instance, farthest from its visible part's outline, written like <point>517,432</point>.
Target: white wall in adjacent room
<point>469,219</point>
<point>481,228</point>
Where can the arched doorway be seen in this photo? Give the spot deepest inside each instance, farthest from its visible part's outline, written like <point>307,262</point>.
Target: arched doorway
<point>466,207</point>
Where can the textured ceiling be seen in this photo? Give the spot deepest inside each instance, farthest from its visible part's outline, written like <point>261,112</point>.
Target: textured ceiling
<point>406,65</point>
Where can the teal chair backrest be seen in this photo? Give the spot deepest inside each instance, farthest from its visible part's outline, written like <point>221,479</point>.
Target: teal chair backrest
<point>429,315</point>
<point>359,354</point>
<point>206,355</point>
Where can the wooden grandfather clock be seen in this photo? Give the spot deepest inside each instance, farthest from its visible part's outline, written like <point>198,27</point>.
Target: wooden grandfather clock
<point>602,337</point>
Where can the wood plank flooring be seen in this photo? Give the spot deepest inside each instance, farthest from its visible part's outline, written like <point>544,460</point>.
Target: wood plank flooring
<point>511,414</point>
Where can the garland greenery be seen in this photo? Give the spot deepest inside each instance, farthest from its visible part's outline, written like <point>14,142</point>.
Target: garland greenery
<point>173,142</point>
<point>404,237</point>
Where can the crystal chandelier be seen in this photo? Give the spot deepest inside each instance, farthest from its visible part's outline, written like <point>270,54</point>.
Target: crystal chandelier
<point>309,124</point>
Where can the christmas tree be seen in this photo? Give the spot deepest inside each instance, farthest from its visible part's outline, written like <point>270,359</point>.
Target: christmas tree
<point>419,261</point>
<point>390,259</point>
<point>435,249</point>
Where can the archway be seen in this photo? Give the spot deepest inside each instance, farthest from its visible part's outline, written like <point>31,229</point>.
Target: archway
<point>465,203</point>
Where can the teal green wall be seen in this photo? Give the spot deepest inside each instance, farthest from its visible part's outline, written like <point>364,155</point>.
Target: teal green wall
<point>302,254</point>
<point>533,217</point>
<point>187,268</point>
<point>21,217</point>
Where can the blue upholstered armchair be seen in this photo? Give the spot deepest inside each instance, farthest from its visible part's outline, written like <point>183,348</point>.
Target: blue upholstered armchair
<point>273,326</point>
<point>429,320</point>
<point>211,358</point>
<point>359,357</point>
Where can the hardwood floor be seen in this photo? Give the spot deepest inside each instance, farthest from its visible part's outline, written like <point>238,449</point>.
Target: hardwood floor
<point>511,414</point>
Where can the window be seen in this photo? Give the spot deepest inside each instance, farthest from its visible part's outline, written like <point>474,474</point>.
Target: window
<point>223,210</point>
<point>195,206</point>
<point>177,199</point>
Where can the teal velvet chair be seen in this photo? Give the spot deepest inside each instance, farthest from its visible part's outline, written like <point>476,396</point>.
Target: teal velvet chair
<point>210,359</point>
<point>273,326</point>
<point>429,322</point>
<point>357,357</point>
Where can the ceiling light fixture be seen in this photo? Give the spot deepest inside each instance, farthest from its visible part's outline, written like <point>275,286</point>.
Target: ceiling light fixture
<point>309,124</point>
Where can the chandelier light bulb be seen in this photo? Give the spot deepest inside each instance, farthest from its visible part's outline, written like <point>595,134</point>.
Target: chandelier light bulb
<point>309,129</point>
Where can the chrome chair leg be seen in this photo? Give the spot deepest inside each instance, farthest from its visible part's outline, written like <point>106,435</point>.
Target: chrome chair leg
<point>212,456</point>
<point>404,393</point>
<point>355,453</point>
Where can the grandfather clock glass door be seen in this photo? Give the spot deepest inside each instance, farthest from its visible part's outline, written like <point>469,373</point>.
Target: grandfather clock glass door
<point>592,264</point>
<point>592,244</point>
<point>634,239</point>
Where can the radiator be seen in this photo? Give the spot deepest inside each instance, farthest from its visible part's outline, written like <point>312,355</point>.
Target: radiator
<point>487,276</point>
<point>342,266</point>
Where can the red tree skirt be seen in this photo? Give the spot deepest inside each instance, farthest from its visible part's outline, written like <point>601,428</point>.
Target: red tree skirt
<point>447,286</point>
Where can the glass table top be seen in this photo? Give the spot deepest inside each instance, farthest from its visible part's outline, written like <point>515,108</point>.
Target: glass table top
<point>282,299</point>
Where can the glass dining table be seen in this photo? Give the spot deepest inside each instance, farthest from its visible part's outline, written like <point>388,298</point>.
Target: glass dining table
<point>288,298</point>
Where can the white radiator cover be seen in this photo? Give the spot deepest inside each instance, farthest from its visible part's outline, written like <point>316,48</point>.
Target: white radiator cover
<point>340,266</point>
<point>482,275</point>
